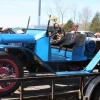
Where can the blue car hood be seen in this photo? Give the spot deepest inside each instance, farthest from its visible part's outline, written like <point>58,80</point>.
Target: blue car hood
<point>16,38</point>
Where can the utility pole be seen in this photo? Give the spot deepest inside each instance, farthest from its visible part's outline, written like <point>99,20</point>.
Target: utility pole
<point>39,12</point>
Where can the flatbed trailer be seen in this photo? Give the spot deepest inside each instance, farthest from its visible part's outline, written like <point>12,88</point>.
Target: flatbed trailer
<point>83,89</point>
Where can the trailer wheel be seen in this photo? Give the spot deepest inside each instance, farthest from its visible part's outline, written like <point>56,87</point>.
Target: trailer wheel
<point>10,67</point>
<point>96,94</point>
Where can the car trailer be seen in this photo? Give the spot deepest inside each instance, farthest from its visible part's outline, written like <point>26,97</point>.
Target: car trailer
<point>14,56</point>
<point>53,78</point>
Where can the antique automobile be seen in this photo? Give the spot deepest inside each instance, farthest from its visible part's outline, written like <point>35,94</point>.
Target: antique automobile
<point>34,51</point>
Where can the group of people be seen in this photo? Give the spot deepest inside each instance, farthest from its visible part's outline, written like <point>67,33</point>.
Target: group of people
<point>57,33</point>
<point>56,37</point>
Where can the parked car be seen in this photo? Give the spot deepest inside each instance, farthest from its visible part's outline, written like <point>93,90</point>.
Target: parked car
<point>90,35</point>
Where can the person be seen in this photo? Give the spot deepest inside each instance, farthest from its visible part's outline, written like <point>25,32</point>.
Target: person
<point>56,38</point>
<point>73,30</point>
<point>5,30</point>
<point>59,33</point>
<point>49,33</point>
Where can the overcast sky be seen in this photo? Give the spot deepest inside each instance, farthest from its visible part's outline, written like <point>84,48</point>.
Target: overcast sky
<point>15,13</point>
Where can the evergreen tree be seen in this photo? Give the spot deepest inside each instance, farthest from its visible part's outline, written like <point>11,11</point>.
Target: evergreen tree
<point>95,24</point>
<point>68,25</point>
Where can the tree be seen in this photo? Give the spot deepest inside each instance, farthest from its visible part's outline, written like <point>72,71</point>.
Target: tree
<point>58,8</point>
<point>61,9</point>
<point>48,10</point>
<point>74,11</point>
<point>95,24</point>
<point>85,16</point>
<point>68,25</point>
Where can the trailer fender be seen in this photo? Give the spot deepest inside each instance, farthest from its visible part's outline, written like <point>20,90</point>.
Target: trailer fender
<point>92,85</point>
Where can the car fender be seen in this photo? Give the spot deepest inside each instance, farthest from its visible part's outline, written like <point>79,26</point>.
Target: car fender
<point>3,48</point>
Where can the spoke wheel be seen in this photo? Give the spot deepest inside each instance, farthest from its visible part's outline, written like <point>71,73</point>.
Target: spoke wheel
<point>10,67</point>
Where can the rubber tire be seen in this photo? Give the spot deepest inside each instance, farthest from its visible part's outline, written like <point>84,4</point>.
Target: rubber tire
<point>96,94</point>
<point>20,74</point>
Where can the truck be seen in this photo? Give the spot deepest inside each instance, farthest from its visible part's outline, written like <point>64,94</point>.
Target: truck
<point>33,50</point>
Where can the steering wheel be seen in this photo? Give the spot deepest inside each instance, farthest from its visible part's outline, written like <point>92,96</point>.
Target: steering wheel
<point>58,32</point>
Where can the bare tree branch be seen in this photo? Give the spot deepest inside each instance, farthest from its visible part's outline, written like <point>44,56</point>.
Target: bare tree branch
<point>74,9</point>
<point>61,8</point>
<point>86,15</point>
<point>48,10</point>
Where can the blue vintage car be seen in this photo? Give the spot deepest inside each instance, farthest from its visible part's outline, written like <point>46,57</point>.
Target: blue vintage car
<point>34,51</point>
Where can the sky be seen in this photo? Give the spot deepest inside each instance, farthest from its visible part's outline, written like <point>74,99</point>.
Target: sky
<point>15,13</point>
